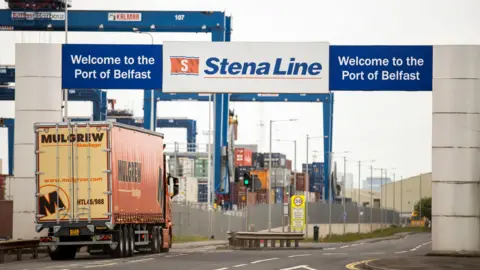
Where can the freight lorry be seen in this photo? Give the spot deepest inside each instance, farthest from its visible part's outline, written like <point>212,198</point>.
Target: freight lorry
<point>102,185</point>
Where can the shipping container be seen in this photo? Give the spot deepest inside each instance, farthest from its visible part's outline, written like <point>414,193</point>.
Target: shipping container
<point>288,164</point>
<point>262,176</point>
<point>6,226</point>
<point>188,190</point>
<point>2,186</point>
<point>243,157</point>
<point>258,160</point>
<point>202,193</point>
<point>103,174</point>
<point>239,171</point>
<point>278,160</point>
<point>262,196</point>
<point>300,181</point>
<point>280,177</point>
<point>279,194</point>
<point>238,194</point>
<point>201,167</point>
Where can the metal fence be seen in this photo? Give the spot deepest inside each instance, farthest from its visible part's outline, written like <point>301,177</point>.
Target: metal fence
<point>193,219</point>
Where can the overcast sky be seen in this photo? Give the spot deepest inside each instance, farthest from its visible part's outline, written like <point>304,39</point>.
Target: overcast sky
<point>393,128</point>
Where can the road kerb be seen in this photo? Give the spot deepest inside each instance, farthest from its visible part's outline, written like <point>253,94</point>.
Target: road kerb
<point>372,267</point>
<point>354,265</point>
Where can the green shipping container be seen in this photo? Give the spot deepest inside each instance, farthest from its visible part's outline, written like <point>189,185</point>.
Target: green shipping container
<point>201,167</point>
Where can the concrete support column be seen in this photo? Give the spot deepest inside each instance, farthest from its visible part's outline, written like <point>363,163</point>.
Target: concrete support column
<point>38,97</point>
<point>456,150</point>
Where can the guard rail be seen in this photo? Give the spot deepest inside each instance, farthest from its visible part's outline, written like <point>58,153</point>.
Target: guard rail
<point>18,246</point>
<point>254,239</point>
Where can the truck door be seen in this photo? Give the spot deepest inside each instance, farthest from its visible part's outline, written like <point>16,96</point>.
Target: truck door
<point>72,173</point>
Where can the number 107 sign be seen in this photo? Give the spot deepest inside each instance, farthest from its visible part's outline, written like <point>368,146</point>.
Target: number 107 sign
<point>298,213</point>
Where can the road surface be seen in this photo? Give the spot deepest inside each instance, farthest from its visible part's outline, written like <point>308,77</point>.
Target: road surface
<point>333,256</point>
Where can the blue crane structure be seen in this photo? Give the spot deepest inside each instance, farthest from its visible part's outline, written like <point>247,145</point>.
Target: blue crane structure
<point>214,22</point>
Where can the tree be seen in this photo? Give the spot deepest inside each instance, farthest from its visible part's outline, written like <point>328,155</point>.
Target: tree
<point>426,204</point>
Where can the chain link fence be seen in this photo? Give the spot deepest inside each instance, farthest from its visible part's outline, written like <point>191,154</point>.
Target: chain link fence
<point>194,219</point>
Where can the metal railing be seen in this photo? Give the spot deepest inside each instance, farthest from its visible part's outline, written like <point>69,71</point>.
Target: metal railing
<point>17,247</point>
<point>261,239</point>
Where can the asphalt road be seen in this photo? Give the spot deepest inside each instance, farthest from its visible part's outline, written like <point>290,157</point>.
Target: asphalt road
<point>331,257</point>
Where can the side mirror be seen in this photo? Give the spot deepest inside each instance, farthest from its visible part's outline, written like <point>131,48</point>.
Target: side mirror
<point>176,186</point>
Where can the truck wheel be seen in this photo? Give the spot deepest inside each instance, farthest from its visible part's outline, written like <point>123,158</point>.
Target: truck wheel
<point>153,241</point>
<point>132,239</point>
<point>171,240</point>
<point>128,241</point>
<point>117,250</point>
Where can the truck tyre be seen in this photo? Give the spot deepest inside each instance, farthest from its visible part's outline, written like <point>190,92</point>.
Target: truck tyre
<point>154,244</point>
<point>118,251</point>
<point>128,241</point>
<point>131,231</point>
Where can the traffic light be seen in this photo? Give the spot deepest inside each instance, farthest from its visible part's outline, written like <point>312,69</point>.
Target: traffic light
<point>246,179</point>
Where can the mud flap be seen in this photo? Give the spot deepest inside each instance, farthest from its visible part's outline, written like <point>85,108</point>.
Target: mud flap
<point>165,239</point>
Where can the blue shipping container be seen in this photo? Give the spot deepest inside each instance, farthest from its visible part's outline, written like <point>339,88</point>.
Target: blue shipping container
<point>278,195</point>
<point>202,193</point>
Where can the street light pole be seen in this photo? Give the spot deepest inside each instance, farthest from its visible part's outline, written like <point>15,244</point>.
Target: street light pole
<point>344,193</point>
<point>394,210</point>
<point>294,189</point>
<point>371,198</point>
<point>152,92</point>
<point>307,187</point>
<point>270,182</point>
<point>270,175</point>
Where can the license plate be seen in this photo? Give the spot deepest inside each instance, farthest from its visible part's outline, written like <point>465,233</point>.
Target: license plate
<point>74,232</point>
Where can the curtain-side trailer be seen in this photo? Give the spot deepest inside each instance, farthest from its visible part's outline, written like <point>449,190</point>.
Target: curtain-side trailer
<point>102,185</point>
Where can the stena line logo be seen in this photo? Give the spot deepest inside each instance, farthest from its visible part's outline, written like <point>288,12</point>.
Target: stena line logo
<point>223,68</point>
<point>184,65</point>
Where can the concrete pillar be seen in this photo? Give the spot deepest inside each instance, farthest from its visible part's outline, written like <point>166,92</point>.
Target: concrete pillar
<point>456,150</point>
<point>38,98</point>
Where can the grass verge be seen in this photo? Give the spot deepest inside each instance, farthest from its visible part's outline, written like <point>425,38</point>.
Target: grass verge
<point>185,239</point>
<point>351,237</point>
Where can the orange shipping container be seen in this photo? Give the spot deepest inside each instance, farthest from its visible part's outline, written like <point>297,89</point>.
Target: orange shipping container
<point>243,157</point>
<point>262,175</point>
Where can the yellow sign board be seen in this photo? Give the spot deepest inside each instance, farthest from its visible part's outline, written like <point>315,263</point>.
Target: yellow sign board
<point>73,182</point>
<point>298,213</point>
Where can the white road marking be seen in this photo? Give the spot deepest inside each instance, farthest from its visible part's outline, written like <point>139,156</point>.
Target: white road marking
<point>100,265</point>
<point>266,260</point>
<point>354,245</point>
<point>373,253</point>
<point>330,248</point>
<point>140,260</point>
<point>172,256</point>
<point>329,254</point>
<point>400,252</point>
<point>299,255</point>
<point>299,267</point>
<point>239,265</point>
<point>224,268</point>
<point>344,246</point>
